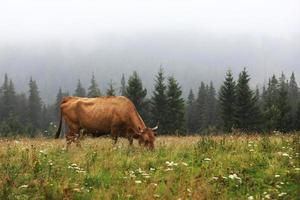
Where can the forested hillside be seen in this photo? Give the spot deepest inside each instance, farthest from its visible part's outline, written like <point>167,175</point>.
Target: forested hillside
<point>235,106</point>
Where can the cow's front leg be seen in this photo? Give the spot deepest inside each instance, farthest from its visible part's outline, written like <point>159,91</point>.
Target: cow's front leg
<point>130,139</point>
<point>77,140</point>
<point>114,135</point>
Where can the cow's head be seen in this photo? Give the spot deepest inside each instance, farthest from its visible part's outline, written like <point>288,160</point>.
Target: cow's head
<point>147,137</point>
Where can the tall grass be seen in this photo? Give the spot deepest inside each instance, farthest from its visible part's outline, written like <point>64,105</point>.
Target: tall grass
<point>221,167</point>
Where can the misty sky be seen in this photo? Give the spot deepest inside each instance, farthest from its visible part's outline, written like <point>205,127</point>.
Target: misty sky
<point>59,41</point>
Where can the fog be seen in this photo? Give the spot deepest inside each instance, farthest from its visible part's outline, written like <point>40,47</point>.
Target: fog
<point>58,42</point>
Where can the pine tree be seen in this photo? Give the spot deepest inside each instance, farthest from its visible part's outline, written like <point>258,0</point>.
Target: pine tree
<point>227,98</point>
<point>21,107</point>
<point>110,90</point>
<point>136,93</point>
<point>246,110</point>
<point>191,118</point>
<point>175,107</point>
<point>159,102</point>
<point>293,98</point>
<point>8,97</point>
<point>80,91</point>
<point>93,90</point>
<point>211,106</point>
<point>270,107</point>
<point>34,105</point>
<point>201,108</point>
<point>123,86</point>
<point>298,117</point>
<point>282,105</point>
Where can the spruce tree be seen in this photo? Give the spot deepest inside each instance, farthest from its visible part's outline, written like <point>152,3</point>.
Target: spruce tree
<point>123,86</point>
<point>246,109</point>
<point>270,107</point>
<point>80,91</point>
<point>298,117</point>
<point>21,107</point>
<point>34,105</point>
<point>110,90</point>
<point>293,98</point>
<point>201,108</point>
<point>93,90</point>
<point>191,118</point>
<point>8,98</point>
<point>211,103</point>
<point>227,98</point>
<point>159,102</point>
<point>175,107</point>
<point>136,93</point>
<point>282,105</point>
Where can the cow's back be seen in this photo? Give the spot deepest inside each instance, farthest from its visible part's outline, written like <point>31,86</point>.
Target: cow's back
<point>97,113</point>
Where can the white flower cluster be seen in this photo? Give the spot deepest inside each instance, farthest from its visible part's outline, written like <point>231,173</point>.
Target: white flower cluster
<point>235,177</point>
<point>76,168</point>
<point>139,172</point>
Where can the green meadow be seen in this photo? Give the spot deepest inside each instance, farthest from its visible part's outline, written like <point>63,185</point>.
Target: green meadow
<point>194,167</point>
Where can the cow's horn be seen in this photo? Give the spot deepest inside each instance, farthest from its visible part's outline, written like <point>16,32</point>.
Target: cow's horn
<point>155,128</point>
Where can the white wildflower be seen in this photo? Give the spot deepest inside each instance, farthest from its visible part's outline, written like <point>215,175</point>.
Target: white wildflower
<point>76,189</point>
<point>189,190</point>
<point>169,169</point>
<point>282,194</point>
<point>132,175</point>
<point>251,150</point>
<point>250,198</point>
<point>277,176</point>
<point>171,164</point>
<point>234,176</point>
<point>207,159</point>
<point>285,155</point>
<point>140,171</point>
<point>24,186</point>
<point>152,169</point>
<point>138,182</point>
<point>268,196</point>
<point>297,169</point>
<point>183,163</point>
<point>215,178</point>
<point>42,151</point>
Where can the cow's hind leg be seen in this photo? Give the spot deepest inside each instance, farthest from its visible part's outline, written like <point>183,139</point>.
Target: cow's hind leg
<point>73,134</point>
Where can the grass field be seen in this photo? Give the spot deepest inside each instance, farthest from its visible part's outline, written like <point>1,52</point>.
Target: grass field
<point>216,167</point>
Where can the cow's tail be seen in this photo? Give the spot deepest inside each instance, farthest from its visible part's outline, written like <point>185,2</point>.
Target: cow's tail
<point>59,127</point>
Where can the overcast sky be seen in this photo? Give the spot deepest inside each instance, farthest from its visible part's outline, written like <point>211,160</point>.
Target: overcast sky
<point>33,20</point>
<point>190,38</point>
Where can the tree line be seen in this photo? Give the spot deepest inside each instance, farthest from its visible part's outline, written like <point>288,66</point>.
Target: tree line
<point>234,107</point>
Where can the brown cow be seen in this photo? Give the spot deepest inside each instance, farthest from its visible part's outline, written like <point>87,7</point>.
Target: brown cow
<point>115,115</point>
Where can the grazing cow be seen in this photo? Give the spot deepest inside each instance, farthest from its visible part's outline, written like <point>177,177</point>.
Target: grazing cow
<point>115,115</point>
